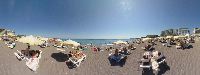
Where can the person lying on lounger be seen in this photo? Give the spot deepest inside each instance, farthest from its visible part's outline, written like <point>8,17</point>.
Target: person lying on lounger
<point>75,54</point>
<point>148,47</point>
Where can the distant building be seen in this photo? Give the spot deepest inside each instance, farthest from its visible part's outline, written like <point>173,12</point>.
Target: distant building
<point>152,36</point>
<point>196,31</point>
<point>183,31</point>
<point>169,32</point>
<point>2,32</point>
<point>174,32</point>
<point>6,32</point>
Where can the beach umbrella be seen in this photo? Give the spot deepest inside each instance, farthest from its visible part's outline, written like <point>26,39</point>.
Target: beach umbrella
<point>169,37</point>
<point>176,37</point>
<point>31,40</point>
<point>161,37</point>
<point>43,39</point>
<point>146,39</point>
<point>59,40</point>
<point>70,42</point>
<point>119,42</point>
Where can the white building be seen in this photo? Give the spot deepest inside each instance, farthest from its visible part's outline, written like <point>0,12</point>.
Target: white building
<point>196,32</point>
<point>183,31</point>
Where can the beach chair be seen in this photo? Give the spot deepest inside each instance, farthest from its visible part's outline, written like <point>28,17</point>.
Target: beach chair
<point>19,55</point>
<point>145,63</point>
<point>76,62</point>
<point>10,44</point>
<point>32,64</point>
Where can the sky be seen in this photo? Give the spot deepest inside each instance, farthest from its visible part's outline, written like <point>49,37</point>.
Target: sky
<point>97,19</point>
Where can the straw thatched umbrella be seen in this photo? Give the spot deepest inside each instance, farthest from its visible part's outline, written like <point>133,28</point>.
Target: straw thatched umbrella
<point>169,37</point>
<point>31,40</point>
<point>43,39</point>
<point>71,43</point>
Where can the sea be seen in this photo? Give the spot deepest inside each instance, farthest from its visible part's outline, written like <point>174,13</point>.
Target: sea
<point>97,41</point>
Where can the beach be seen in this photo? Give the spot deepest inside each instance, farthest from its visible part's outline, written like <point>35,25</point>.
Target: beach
<point>180,62</point>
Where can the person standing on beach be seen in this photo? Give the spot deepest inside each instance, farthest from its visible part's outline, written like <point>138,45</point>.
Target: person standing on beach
<point>28,46</point>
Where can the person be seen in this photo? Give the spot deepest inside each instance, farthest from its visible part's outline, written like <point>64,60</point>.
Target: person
<point>125,51</point>
<point>95,49</point>
<point>28,48</point>
<point>99,49</point>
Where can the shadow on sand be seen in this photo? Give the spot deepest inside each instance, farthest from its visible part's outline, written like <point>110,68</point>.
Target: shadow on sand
<point>60,57</point>
<point>163,68</point>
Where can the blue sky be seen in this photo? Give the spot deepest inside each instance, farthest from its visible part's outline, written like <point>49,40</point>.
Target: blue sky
<point>93,19</point>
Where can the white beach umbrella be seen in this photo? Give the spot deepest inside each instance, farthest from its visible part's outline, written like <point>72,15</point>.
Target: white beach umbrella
<point>71,42</point>
<point>176,37</point>
<point>146,39</point>
<point>31,40</point>
<point>161,37</point>
<point>119,42</point>
<point>169,37</point>
<point>59,40</point>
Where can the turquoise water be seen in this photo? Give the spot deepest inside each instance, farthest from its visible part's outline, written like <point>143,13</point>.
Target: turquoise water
<point>97,41</point>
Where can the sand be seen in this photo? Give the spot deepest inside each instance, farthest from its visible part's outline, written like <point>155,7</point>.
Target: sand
<point>180,62</point>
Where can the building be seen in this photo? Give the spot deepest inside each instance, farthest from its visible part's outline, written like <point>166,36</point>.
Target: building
<point>152,36</point>
<point>2,32</point>
<point>175,32</point>
<point>169,32</point>
<point>183,31</point>
<point>5,32</point>
<point>196,32</point>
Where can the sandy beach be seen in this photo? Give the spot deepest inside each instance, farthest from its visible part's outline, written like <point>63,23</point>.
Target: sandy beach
<point>180,62</point>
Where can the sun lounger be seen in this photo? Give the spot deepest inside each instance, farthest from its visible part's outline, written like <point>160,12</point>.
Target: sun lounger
<point>145,66</point>
<point>19,55</point>
<point>33,64</point>
<point>77,62</point>
<point>178,47</point>
<point>145,63</point>
<point>10,45</point>
<point>161,61</point>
